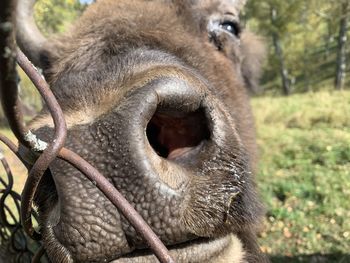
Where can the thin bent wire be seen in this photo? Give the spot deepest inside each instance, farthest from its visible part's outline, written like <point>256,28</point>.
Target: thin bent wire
<point>55,149</point>
<point>45,152</point>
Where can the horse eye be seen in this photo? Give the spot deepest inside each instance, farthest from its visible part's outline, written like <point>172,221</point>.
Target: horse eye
<point>231,27</point>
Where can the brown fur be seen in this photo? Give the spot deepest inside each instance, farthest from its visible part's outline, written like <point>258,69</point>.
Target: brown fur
<point>93,66</point>
<point>181,36</point>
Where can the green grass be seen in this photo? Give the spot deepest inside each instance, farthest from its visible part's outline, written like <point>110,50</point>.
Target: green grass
<point>304,176</point>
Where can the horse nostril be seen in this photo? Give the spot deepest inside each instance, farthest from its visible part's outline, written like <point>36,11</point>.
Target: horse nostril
<point>174,134</point>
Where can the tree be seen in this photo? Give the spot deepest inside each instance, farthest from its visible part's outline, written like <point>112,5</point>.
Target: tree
<point>342,40</point>
<point>274,19</point>
<point>279,53</point>
<point>306,42</point>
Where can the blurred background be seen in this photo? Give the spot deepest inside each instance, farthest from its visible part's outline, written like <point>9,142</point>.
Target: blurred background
<point>303,122</point>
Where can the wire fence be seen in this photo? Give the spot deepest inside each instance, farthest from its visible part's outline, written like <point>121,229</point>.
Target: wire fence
<point>19,236</point>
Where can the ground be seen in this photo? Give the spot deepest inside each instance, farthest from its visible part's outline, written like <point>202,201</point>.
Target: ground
<point>304,176</point>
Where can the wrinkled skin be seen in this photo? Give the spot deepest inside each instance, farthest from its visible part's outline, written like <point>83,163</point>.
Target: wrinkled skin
<point>155,97</point>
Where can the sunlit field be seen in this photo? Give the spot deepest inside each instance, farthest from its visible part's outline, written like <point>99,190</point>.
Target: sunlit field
<point>304,176</point>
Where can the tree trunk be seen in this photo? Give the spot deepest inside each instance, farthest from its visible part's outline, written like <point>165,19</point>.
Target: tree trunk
<point>306,58</point>
<point>329,39</point>
<point>342,39</point>
<point>279,53</point>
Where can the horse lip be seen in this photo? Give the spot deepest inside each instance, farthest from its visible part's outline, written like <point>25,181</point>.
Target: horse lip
<point>201,249</point>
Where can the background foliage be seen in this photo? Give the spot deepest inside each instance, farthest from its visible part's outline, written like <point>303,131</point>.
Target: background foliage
<point>310,35</point>
<point>55,16</point>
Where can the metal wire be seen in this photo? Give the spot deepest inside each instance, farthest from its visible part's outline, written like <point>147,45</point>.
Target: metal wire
<point>47,152</point>
<point>120,202</point>
<point>12,237</point>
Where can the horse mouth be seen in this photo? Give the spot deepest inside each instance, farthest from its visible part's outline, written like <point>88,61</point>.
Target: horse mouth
<point>197,250</point>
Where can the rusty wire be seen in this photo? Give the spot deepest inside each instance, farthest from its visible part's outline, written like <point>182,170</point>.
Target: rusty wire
<point>47,152</point>
<point>120,202</point>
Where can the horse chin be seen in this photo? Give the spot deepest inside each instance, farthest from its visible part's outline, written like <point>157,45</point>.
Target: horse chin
<point>219,250</point>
